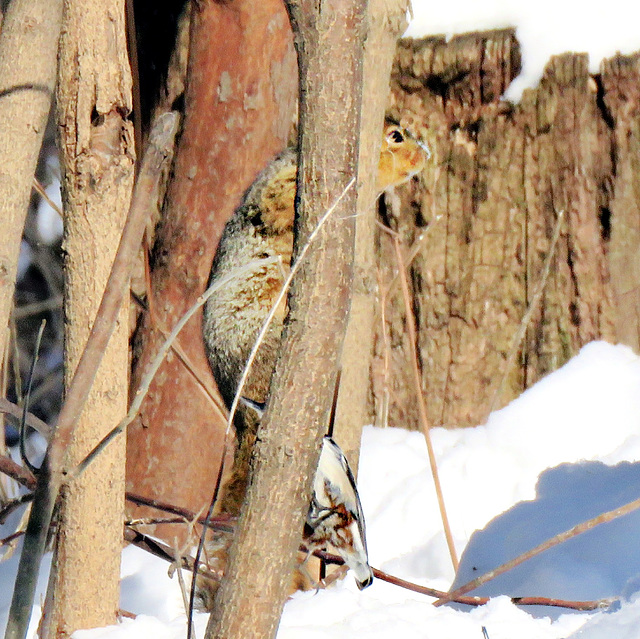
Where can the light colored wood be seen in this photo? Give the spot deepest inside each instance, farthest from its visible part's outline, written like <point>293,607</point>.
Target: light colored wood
<point>97,152</point>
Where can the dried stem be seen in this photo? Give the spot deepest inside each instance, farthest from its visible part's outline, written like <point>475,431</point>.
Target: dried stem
<point>540,548</point>
<point>524,323</point>
<point>424,421</point>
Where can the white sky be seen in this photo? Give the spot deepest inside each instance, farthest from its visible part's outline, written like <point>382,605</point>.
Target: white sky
<point>544,28</point>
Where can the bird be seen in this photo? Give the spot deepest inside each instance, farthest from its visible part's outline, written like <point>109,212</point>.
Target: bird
<point>335,518</point>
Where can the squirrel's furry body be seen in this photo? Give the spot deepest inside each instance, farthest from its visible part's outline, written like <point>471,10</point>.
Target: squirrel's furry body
<point>262,227</point>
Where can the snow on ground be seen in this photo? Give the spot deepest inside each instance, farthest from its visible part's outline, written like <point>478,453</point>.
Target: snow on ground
<point>544,28</point>
<point>564,451</point>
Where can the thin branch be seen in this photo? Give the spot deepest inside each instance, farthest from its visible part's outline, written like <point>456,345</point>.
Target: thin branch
<point>15,413</point>
<point>14,504</point>
<point>540,548</point>
<point>34,308</point>
<point>223,523</point>
<point>526,319</point>
<point>472,601</point>
<point>191,368</point>
<point>45,196</point>
<point>25,401</point>
<point>5,541</point>
<point>20,474</point>
<point>424,420</point>
<point>163,551</point>
<point>151,371</point>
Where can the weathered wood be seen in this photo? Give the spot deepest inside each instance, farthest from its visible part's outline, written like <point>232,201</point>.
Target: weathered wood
<point>487,207</point>
<point>620,105</point>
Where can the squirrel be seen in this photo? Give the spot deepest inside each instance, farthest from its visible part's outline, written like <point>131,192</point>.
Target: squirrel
<point>262,227</point>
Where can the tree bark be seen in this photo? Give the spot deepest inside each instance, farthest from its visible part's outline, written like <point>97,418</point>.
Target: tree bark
<point>28,45</point>
<point>329,39</point>
<point>486,209</point>
<point>239,107</point>
<point>97,152</point>
<point>386,21</point>
<point>620,110</point>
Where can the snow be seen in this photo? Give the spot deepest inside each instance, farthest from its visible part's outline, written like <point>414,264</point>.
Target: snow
<point>564,451</point>
<point>544,28</point>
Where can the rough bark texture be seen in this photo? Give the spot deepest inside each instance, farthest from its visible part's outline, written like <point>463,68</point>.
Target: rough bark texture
<point>239,106</point>
<point>28,45</point>
<point>486,209</point>
<point>96,141</point>
<point>620,104</point>
<point>387,20</point>
<point>329,40</point>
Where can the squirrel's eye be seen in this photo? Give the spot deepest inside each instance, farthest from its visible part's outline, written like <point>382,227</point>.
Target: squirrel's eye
<point>395,136</point>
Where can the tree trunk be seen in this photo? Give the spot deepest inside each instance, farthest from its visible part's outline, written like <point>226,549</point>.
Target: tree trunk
<point>96,141</point>
<point>28,45</point>
<point>387,20</point>
<point>482,217</point>
<point>330,41</point>
<point>239,106</point>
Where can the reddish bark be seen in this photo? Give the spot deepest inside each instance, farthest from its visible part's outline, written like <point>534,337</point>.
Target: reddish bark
<point>239,104</point>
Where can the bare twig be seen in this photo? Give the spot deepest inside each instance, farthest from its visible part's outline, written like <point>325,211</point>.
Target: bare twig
<point>176,347</point>
<point>53,471</point>
<point>471,601</point>
<point>524,323</point>
<point>424,421</point>
<point>25,407</point>
<point>158,359</point>
<point>540,548</point>
<point>22,475</point>
<point>12,505</point>
<point>224,522</point>
<point>45,196</point>
<point>163,551</point>
<point>15,412</point>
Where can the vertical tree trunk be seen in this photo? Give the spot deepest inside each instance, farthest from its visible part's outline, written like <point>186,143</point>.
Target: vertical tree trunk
<point>330,40</point>
<point>386,21</point>
<point>96,141</point>
<point>28,45</point>
<point>239,106</point>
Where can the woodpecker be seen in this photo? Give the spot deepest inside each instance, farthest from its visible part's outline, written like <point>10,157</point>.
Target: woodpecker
<point>335,516</point>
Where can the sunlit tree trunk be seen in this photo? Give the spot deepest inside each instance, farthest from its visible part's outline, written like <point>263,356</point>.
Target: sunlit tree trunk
<point>28,45</point>
<point>96,142</point>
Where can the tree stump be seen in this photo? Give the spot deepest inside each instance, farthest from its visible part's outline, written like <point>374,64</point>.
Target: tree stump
<point>481,218</point>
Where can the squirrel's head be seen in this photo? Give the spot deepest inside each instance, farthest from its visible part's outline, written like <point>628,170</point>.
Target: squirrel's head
<point>401,156</point>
